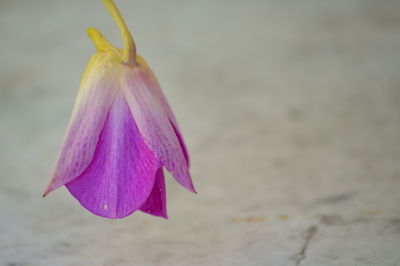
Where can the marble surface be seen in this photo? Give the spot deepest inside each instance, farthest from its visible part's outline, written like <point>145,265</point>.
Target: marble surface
<point>290,109</point>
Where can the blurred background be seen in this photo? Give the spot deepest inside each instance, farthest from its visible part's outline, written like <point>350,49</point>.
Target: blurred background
<point>290,110</point>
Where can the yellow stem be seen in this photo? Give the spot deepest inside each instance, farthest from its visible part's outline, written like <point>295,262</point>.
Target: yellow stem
<point>129,50</point>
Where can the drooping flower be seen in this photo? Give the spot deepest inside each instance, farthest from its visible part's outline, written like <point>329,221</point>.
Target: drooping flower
<point>121,134</point>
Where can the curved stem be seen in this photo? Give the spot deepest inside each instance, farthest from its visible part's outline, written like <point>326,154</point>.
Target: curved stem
<point>129,50</point>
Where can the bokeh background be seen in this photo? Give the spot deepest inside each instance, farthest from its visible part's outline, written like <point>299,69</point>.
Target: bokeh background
<point>291,113</point>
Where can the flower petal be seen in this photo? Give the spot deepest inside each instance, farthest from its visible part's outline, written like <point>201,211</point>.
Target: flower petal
<point>159,94</point>
<point>157,201</point>
<point>181,143</point>
<point>153,123</point>
<point>122,174</point>
<point>94,100</point>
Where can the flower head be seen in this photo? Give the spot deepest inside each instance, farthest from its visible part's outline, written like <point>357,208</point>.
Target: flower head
<point>121,134</point>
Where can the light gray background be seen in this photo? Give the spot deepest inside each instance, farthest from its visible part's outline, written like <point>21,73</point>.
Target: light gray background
<point>290,110</point>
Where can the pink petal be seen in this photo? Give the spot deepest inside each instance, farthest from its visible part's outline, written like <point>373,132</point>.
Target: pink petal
<point>158,93</point>
<point>93,102</point>
<point>181,143</point>
<point>154,124</point>
<point>156,202</point>
<point>122,174</point>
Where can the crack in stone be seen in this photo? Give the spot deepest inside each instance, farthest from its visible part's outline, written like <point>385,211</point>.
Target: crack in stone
<point>309,234</point>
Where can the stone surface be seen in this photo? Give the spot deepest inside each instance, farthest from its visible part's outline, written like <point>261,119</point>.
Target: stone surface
<point>290,109</point>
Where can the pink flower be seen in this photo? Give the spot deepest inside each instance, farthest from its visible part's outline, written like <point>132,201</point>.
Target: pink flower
<point>121,135</point>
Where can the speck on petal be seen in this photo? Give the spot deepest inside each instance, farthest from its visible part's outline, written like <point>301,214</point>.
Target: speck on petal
<point>122,173</point>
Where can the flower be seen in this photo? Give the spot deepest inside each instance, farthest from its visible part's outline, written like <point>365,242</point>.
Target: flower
<point>121,135</point>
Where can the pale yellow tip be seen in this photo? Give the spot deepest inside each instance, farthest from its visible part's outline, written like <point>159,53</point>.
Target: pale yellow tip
<point>101,43</point>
